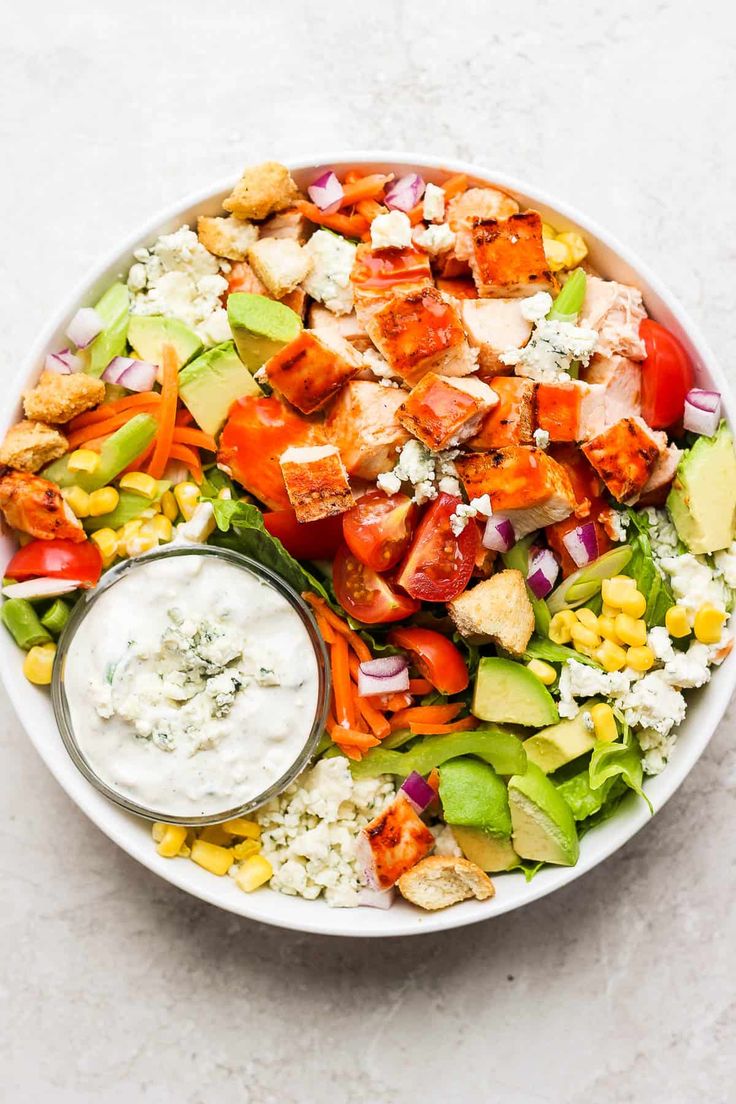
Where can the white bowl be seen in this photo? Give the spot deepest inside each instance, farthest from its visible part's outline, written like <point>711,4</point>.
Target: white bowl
<point>705,708</point>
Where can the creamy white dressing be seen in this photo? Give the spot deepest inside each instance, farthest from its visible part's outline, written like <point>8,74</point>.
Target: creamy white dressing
<point>192,685</point>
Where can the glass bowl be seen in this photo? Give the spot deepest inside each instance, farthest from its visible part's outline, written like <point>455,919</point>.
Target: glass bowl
<point>63,711</point>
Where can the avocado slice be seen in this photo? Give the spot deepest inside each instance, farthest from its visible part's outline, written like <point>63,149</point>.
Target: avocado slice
<point>211,384</point>
<point>490,853</point>
<point>475,804</point>
<point>543,825</point>
<point>508,692</point>
<point>114,310</point>
<point>148,333</point>
<point>702,502</point>
<point>551,748</point>
<point>260,327</point>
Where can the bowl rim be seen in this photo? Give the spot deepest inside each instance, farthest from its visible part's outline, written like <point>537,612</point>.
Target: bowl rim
<point>322,920</point>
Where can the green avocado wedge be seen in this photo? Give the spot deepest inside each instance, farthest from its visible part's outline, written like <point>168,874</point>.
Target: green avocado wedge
<point>472,794</point>
<point>508,693</point>
<point>543,824</point>
<point>211,384</point>
<point>551,748</point>
<point>491,853</point>
<point>504,751</point>
<point>148,333</point>
<point>702,501</point>
<point>260,327</point>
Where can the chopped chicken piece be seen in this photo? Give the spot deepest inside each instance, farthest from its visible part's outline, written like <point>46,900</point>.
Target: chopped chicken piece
<point>362,423</point>
<point>570,410</point>
<point>279,263</point>
<point>288,224</point>
<point>309,372</point>
<point>34,505</point>
<point>459,288</point>
<point>243,278</point>
<point>316,482</point>
<point>494,326</point>
<point>227,237</point>
<point>656,488</point>
<point>483,203</point>
<point>393,843</point>
<point>614,310</point>
<point>444,411</point>
<point>420,331</point>
<point>261,190</point>
<point>621,378</point>
<point>511,421</point>
<point>443,880</point>
<point>28,446</point>
<point>378,275</point>
<point>524,484</point>
<point>624,455</point>
<point>498,611</point>
<point>508,256</point>
<point>57,398</point>
<point>322,321</point>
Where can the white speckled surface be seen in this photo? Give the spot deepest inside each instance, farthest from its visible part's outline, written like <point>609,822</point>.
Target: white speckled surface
<point>114,986</point>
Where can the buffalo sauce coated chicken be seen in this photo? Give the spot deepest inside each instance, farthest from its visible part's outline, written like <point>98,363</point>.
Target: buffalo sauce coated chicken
<point>35,506</point>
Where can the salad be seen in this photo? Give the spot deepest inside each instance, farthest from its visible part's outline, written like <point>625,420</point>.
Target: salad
<point>483,466</point>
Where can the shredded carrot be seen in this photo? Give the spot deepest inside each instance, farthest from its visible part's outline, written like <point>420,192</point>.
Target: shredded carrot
<point>341,684</point>
<point>99,429</point>
<point>351,752</point>
<point>117,406</point>
<point>377,723</point>
<point>352,226</point>
<point>318,604</point>
<point>455,185</point>
<point>187,456</point>
<point>183,435</point>
<point>352,175</point>
<point>395,703</point>
<point>422,728</point>
<point>369,209</point>
<point>351,736</point>
<point>433,779</point>
<point>425,714</point>
<point>420,686</point>
<point>183,417</point>
<point>167,413</point>
<point>367,187</point>
<point>326,630</point>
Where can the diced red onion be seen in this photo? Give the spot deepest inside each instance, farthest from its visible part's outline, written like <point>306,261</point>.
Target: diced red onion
<point>326,192</point>
<point>64,362</point>
<point>136,375</point>
<point>543,571</point>
<point>405,193</point>
<point>84,327</point>
<point>702,411</point>
<point>387,675</point>
<point>582,544</point>
<point>499,534</point>
<point>417,791</point>
<point>40,588</point>
<point>376,898</point>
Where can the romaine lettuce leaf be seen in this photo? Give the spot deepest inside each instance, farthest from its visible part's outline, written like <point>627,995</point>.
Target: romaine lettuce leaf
<point>641,567</point>
<point>539,648</point>
<point>614,760</point>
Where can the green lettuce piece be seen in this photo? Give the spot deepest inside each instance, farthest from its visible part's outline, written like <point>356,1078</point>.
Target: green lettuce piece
<point>580,795</point>
<point>618,760</point>
<point>501,749</point>
<point>518,559</point>
<point>642,568</point>
<point>539,648</point>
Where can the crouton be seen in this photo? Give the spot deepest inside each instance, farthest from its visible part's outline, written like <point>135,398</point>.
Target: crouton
<point>624,455</point>
<point>621,379</point>
<point>443,880</point>
<point>524,484</point>
<point>289,224</point>
<point>227,237</point>
<point>28,446</point>
<point>322,321</point>
<point>498,611</point>
<point>35,506</point>
<point>444,411</point>
<point>395,841</point>
<point>493,326</point>
<point>316,482</point>
<point>418,332</point>
<point>262,190</point>
<point>379,274</point>
<point>58,399</point>
<point>362,424</point>
<point>655,490</point>
<point>308,371</point>
<point>570,410</point>
<point>614,311</point>
<point>511,420</point>
<point>484,203</point>
<point>279,263</point>
<point>508,256</point>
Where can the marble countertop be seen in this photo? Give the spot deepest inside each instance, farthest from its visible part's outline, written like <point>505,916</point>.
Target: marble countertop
<point>115,986</point>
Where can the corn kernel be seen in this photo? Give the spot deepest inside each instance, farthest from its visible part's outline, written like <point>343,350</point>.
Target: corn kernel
<point>609,611</point>
<point>107,542</point>
<point>588,618</point>
<point>634,604</point>
<point>708,624</point>
<point>77,500</point>
<point>611,656</point>
<point>545,672</point>
<point>83,460</point>
<point>557,254</point>
<point>187,496</point>
<point>576,246</point>
<point>138,546</point>
<point>614,591</point>
<point>139,483</point>
<point>245,849</point>
<point>607,628</point>
<point>103,501</point>
<point>676,622</point>
<point>630,631</point>
<point>39,663</point>
<point>169,507</point>
<point>162,527</point>
<point>584,639</point>
<point>217,860</point>
<point>246,829</point>
<point>184,852</point>
<point>172,840</point>
<point>158,831</point>
<point>560,626</point>
<point>548,231</point>
<point>215,833</point>
<point>604,723</point>
<point>252,873</point>
<point>640,659</point>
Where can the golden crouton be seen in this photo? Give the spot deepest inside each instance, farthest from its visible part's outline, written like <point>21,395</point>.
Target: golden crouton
<point>227,237</point>
<point>309,370</point>
<point>362,424</point>
<point>511,421</point>
<point>443,880</point>
<point>28,446</point>
<point>262,190</point>
<point>316,482</point>
<point>57,398</point>
<point>443,411</point>
<point>418,332</point>
<point>395,841</point>
<point>508,256</point>
<point>497,610</point>
<point>279,263</point>
<point>624,455</point>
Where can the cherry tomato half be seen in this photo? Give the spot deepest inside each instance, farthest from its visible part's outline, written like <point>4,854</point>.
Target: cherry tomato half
<point>57,559</point>
<point>365,595</point>
<point>379,528</point>
<point>666,376</point>
<point>306,540</point>
<point>437,658</point>
<point>439,564</point>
